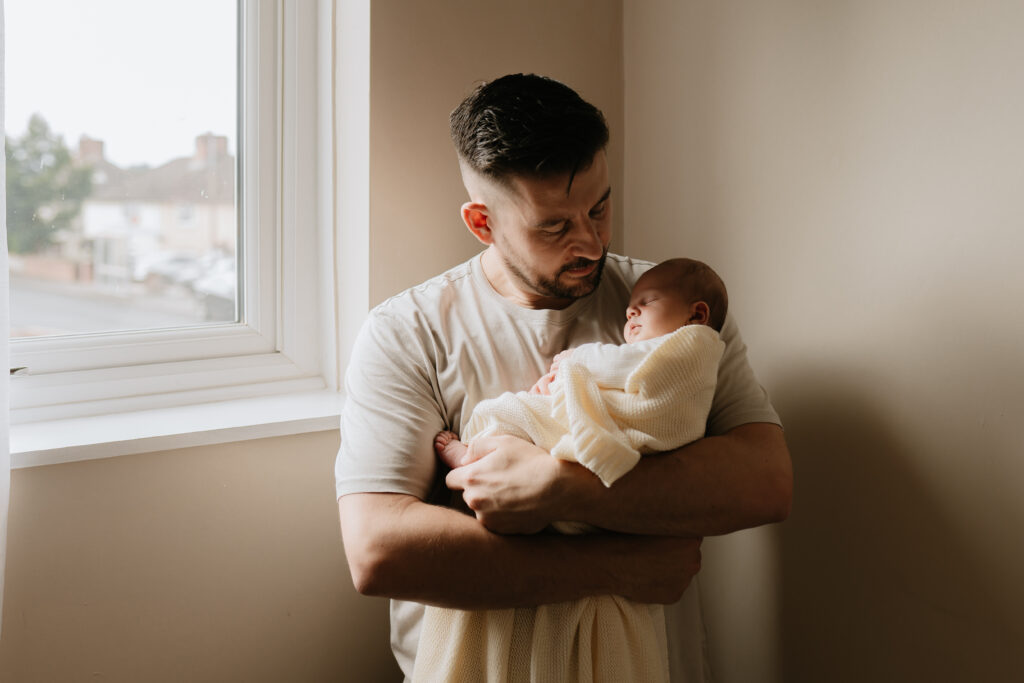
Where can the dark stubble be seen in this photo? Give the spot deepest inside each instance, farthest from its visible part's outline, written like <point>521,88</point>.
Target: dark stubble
<point>553,287</point>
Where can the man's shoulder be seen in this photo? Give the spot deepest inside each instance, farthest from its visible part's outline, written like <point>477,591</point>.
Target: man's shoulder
<point>617,279</point>
<point>625,268</point>
<point>628,262</point>
<point>429,295</point>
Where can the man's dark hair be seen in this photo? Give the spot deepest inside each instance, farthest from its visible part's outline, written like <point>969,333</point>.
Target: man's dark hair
<point>527,125</point>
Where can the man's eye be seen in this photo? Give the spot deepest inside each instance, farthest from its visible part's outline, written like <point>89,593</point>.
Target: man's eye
<point>598,211</point>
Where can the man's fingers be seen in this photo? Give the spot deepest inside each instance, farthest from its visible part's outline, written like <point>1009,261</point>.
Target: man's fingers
<point>461,477</point>
<point>454,480</point>
<point>477,450</point>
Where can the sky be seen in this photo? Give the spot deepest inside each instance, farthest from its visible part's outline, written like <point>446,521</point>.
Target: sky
<point>145,77</point>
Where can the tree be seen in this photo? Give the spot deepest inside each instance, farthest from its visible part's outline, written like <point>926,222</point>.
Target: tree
<point>45,188</point>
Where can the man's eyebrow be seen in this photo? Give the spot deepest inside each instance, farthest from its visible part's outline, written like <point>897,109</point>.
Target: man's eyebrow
<point>549,222</point>
<point>552,222</point>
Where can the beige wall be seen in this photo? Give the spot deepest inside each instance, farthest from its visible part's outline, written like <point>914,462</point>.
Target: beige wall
<point>427,56</point>
<point>219,563</point>
<point>854,171</point>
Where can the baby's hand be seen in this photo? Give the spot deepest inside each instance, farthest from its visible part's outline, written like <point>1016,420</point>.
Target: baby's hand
<point>559,358</point>
<point>543,384</point>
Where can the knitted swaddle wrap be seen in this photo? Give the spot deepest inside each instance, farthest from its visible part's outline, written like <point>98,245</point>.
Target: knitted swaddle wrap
<point>662,404</point>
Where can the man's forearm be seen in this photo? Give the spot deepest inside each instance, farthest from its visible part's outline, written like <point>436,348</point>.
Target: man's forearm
<point>713,486</point>
<point>400,547</point>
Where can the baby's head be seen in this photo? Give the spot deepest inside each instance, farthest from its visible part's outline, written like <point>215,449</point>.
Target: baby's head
<point>672,294</point>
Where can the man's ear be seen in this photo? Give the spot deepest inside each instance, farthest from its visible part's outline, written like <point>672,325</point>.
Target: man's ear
<point>477,218</point>
<point>700,314</point>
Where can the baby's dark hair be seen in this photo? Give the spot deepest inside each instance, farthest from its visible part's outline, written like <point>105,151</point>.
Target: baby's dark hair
<point>527,125</point>
<point>700,282</point>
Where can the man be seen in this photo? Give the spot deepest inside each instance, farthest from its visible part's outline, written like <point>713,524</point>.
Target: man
<point>532,156</point>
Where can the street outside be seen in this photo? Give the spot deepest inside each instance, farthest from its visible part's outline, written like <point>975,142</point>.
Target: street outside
<point>40,307</point>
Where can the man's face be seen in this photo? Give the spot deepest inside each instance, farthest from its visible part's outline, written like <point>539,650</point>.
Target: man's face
<point>552,237</point>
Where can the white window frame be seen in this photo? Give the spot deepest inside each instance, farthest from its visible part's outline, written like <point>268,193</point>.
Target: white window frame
<point>279,347</point>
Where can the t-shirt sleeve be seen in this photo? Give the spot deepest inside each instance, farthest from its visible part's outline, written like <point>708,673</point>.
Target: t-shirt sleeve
<point>391,413</point>
<point>739,397</point>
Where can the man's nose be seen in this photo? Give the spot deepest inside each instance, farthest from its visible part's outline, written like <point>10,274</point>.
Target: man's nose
<point>588,239</point>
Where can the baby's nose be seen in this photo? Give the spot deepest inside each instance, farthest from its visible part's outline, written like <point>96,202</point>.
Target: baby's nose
<point>631,312</point>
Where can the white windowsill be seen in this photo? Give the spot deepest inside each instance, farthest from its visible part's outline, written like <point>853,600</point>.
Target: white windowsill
<point>105,436</point>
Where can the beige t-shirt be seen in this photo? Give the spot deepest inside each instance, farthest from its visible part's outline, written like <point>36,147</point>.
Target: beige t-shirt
<point>427,356</point>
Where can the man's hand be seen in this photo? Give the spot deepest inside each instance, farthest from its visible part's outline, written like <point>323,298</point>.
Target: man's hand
<point>511,484</point>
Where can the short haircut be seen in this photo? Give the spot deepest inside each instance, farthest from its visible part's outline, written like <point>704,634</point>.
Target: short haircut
<point>527,125</point>
<point>699,282</point>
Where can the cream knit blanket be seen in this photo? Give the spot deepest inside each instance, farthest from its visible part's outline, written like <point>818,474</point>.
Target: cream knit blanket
<point>608,405</point>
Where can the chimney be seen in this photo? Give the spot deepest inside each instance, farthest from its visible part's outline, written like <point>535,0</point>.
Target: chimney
<point>90,151</point>
<point>210,148</point>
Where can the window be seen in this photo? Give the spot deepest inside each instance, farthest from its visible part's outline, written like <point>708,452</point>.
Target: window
<point>269,339</point>
<point>105,137</point>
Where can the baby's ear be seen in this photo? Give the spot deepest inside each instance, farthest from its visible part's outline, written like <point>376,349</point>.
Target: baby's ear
<point>700,313</point>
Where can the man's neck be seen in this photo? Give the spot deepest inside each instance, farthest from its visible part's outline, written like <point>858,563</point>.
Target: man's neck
<point>510,287</point>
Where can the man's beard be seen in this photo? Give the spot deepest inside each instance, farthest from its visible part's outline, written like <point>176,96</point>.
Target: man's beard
<point>551,287</point>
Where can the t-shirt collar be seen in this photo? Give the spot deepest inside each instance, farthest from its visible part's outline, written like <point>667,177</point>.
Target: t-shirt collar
<point>548,316</point>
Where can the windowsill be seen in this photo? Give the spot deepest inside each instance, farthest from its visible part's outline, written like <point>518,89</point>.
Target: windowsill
<point>105,436</point>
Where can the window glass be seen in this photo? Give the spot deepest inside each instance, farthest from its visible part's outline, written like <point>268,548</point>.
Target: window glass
<point>121,148</point>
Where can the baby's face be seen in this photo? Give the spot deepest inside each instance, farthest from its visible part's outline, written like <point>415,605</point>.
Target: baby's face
<point>656,307</point>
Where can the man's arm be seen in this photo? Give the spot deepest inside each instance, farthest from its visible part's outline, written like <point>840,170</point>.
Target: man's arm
<point>399,547</point>
<point>715,485</point>
<point>712,486</point>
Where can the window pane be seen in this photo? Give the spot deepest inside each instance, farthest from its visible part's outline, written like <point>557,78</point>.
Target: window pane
<point>121,146</point>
